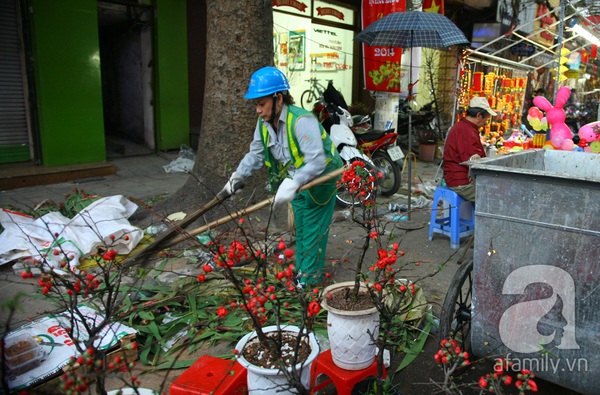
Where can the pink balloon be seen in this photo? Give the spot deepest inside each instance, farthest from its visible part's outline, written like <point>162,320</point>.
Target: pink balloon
<point>557,141</point>
<point>535,112</point>
<point>562,130</point>
<point>567,145</point>
<point>587,149</point>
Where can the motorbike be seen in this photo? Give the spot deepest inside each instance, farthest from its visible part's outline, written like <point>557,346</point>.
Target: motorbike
<point>381,146</point>
<point>422,119</point>
<point>332,112</point>
<point>579,114</point>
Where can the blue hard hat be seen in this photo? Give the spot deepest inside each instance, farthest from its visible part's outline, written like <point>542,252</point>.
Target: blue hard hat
<point>266,81</point>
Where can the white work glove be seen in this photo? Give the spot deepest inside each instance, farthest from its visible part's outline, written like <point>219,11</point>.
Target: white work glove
<point>286,191</point>
<point>232,186</point>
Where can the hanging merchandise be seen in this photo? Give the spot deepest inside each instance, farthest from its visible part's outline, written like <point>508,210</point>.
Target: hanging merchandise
<point>504,88</point>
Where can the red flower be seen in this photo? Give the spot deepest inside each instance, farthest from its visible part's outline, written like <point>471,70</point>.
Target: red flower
<point>313,308</point>
<point>532,385</point>
<point>222,312</point>
<point>483,382</point>
<point>109,255</point>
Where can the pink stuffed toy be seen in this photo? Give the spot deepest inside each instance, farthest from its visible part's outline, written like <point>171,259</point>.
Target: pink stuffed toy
<point>556,114</point>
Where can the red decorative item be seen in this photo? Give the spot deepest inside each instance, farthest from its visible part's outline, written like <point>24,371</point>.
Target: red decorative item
<point>594,51</point>
<point>477,81</point>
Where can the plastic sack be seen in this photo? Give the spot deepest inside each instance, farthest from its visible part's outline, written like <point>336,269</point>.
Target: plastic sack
<point>89,230</point>
<point>183,163</point>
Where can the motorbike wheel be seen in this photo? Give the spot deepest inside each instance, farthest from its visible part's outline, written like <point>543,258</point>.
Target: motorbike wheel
<point>403,143</point>
<point>344,198</point>
<point>390,182</point>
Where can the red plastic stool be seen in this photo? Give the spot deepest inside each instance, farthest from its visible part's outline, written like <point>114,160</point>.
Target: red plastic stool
<point>344,380</point>
<point>211,375</point>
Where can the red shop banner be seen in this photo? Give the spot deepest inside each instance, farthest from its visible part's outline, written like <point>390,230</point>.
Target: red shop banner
<point>381,64</point>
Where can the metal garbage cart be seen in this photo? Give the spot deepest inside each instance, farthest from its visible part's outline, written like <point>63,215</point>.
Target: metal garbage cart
<point>531,293</point>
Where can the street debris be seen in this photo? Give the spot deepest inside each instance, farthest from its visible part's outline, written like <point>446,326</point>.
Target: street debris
<point>104,222</point>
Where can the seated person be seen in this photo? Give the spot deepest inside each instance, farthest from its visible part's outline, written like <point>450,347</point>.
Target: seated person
<point>463,144</point>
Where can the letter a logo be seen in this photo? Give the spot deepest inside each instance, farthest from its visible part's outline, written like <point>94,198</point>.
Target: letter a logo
<point>519,323</point>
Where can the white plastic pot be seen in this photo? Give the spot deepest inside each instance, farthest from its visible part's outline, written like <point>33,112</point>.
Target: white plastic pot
<point>263,381</point>
<point>351,333</point>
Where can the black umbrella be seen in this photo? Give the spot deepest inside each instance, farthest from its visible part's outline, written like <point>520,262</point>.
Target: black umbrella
<point>410,30</point>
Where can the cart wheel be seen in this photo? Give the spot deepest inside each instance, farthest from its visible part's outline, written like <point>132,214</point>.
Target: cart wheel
<point>455,320</point>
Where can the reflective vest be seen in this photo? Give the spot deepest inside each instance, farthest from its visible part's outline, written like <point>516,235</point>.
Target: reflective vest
<point>293,114</point>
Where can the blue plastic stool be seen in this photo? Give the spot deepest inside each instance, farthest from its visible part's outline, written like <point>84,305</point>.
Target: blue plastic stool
<point>453,225</point>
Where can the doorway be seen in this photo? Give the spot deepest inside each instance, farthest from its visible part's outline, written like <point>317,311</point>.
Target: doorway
<point>126,58</point>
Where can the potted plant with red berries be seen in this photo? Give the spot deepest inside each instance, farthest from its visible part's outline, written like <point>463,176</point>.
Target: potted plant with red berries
<point>352,316</point>
<point>362,313</point>
<point>88,301</point>
<point>277,351</point>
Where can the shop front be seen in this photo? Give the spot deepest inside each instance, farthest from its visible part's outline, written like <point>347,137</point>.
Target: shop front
<point>313,44</point>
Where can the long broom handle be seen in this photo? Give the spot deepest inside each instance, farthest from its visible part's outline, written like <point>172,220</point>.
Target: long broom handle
<point>250,209</point>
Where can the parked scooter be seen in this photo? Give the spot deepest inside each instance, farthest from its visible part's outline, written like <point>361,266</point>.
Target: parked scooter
<point>337,122</point>
<point>422,119</point>
<point>382,148</point>
<point>579,114</point>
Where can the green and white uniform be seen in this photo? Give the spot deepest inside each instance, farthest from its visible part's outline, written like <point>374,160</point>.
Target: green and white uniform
<point>301,144</point>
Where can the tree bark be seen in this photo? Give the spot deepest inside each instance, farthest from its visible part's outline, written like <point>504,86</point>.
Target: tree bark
<point>239,41</point>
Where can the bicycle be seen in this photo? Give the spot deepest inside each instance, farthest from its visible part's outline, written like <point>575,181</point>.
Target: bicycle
<point>311,95</point>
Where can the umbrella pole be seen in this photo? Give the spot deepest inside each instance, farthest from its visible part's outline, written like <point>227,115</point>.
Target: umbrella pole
<point>410,127</point>
<point>409,224</point>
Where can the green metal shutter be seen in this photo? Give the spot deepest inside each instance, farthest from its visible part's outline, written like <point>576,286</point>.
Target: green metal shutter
<point>14,137</point>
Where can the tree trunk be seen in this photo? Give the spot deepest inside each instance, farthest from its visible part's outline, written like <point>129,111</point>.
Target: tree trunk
<point>239,41</point>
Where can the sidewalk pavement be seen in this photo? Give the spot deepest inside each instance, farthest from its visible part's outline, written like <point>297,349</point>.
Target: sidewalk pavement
<point>141,177</point>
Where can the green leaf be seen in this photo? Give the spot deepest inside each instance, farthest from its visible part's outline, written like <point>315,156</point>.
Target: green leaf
<point>182,364</point>
<point>154,330</point>
<point>145,315</point>
<point>417,346</point>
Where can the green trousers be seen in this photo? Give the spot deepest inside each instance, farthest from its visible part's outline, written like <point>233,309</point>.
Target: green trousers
<point>313,211</point>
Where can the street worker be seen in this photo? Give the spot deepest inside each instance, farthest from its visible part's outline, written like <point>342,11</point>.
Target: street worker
<point>464,144</point>
<point>296,149</point>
